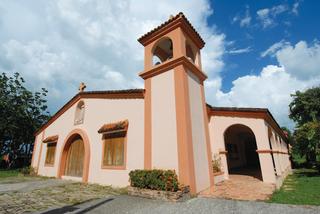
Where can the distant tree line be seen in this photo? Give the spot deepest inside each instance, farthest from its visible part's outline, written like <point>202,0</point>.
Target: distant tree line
<point>22,112</point>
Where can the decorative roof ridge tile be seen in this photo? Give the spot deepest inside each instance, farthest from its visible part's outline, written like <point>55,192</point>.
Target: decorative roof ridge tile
<point>170,20</point>
<point>218,108</point>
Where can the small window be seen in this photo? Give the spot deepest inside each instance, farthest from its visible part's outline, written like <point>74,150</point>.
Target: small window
<point>51,150</point>
<point>114,150</point>
<point>79,115</point>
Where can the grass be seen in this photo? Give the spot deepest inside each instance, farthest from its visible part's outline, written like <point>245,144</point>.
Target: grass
<point>8,176</point>
<point>301,188</point>
<point>8,173</point>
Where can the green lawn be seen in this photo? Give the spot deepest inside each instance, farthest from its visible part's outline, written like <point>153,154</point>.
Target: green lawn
<point>302,187</point>
<point>15,176</point>
<point>8,173</point>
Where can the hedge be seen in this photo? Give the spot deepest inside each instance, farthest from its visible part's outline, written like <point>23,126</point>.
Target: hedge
<point>155,179</point>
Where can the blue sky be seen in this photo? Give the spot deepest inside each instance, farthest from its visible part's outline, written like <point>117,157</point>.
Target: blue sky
<point>289,25</point>
<point>257,53</point>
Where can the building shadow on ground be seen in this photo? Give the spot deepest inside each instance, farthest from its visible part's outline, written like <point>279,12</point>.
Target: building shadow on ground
<point>73,208</point>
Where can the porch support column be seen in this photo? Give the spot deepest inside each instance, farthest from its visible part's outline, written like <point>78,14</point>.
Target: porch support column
<point>264,152</point>
<point>224,163</point>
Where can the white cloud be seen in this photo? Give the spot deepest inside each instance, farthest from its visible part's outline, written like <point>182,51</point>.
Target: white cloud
<point>271,89</point>
<point>298,69</point>
<point>244,20</point>
<point>301,60</point>
<point>267,16</point>
<point>58,44</point>
<point>263,16</point>
<point>279,9</point>
<point>295,8</point>
<point>239,51</point>
<point>274,48</point>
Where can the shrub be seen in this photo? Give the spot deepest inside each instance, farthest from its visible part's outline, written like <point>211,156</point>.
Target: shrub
<point>216,163</point>
<point>28,170</point>
<point>156,179</point>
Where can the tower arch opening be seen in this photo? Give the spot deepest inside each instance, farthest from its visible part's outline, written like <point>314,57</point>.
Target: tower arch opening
<point>191,55</point>
<point>162,51</point>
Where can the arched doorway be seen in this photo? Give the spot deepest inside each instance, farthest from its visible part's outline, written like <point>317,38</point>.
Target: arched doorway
<point>75,156</point>
<point>241,146</point>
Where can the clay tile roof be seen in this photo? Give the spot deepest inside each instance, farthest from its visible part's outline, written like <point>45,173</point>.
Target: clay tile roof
<point>180,15</point>
<point>51,139</point>
<point>125,91</point>
<point>117,126</point>
<point>214,108</point>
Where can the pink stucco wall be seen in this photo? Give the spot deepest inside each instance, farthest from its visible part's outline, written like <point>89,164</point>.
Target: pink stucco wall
<point>164,127</point>
<point>97,113</point>
<point>219,124</point>
<point>198,134</point>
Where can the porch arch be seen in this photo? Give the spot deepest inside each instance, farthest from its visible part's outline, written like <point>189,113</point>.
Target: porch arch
<point>241,146</point>
<point>64,153</point>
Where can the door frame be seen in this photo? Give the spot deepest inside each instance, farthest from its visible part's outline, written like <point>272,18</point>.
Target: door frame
<point>64,153</point>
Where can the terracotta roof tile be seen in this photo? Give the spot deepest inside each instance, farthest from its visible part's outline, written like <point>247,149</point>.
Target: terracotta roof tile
<point>179,15</point>
<point>214,108</point>
<point>125,91</point>
<point>51,139</point>
<point>117,126</point>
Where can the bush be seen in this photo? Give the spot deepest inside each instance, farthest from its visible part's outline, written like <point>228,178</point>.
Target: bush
<point>216,163</point>
<point>156,179</point>
<point>28,170</point>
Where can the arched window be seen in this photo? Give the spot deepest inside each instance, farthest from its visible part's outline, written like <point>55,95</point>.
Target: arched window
<point>190,53</point>
<point>162,51</point>
<point>79,115</point>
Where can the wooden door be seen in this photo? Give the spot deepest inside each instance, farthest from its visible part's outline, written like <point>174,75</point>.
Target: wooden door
<point>75,158</point>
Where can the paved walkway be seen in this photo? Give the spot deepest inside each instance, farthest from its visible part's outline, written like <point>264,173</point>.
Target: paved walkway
<point>241,187</point>
<point>128,204</point>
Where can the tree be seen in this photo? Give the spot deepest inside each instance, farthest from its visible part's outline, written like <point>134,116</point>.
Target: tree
<point>21,114</point>
<point>288,134</point>
<point>305,111</point>
<point>307,139</point>
<point>305,106</point>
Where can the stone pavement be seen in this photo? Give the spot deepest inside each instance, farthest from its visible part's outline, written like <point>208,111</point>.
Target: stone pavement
<point>43,194</point>
<point>241,187</point>
<point>31,185</point>
<point>129,204</point>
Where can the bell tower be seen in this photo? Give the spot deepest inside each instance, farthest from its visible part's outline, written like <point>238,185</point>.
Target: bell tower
<point>176,122</point>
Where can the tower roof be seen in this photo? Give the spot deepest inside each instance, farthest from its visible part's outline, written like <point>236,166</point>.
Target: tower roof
<point>176,21</point>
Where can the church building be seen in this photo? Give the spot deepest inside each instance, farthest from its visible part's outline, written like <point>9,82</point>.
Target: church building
<point>100,136</point>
